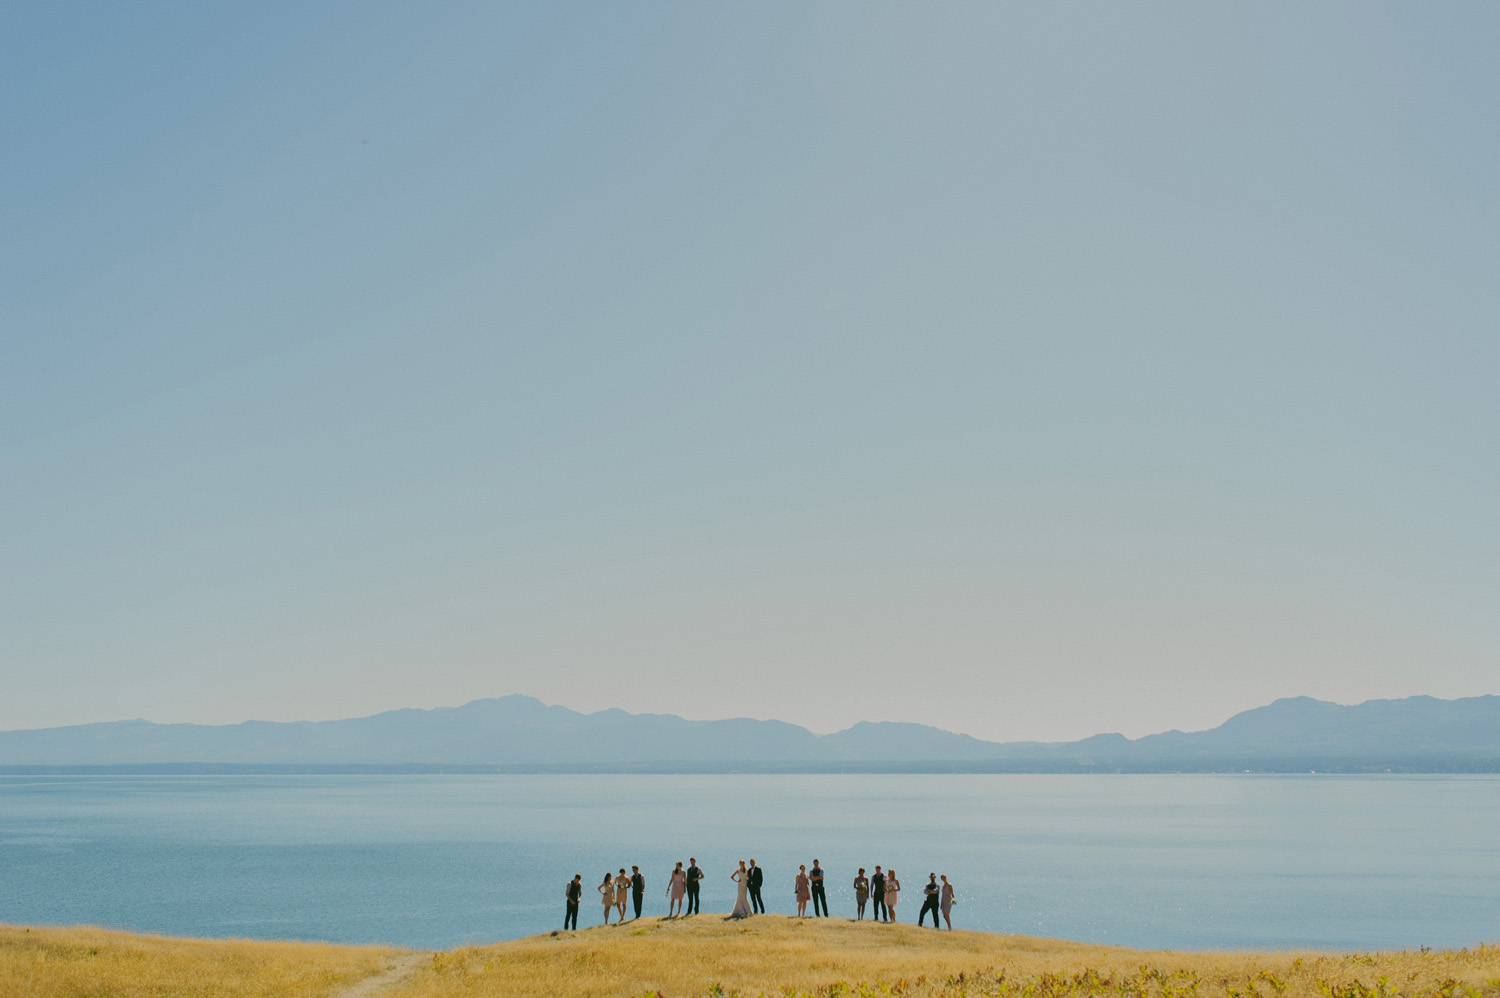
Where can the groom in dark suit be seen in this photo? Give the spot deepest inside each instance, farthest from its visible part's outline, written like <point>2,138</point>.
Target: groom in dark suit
<point>757,877</point>
<point>693,876</point>
<point>819,896</point>
<point>637,889</point>
<point>877,894</point>
<point>573,892</point>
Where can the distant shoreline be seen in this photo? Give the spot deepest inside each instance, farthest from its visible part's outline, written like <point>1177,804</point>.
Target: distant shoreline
<point>1295,766</point>
<point>518,734</point>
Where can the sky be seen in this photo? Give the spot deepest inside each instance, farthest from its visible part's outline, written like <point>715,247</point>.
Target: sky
<point>1027,370</point>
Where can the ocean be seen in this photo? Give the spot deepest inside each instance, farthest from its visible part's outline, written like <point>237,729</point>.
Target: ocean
<point>1157,861</point>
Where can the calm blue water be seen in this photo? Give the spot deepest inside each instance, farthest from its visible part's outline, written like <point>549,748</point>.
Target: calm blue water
<point>1184,862</point>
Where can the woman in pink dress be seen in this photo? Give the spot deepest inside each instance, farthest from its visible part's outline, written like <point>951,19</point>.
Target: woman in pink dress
<point>622,892</point>
<point>607,889</point>
<point>804,890</point>
<point>892,895</point>
<point>676,888</point>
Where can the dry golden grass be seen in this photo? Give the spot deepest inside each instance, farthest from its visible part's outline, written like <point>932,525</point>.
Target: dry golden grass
<point>775,955</point>
<point>95,963</point>
<point>711,956</point>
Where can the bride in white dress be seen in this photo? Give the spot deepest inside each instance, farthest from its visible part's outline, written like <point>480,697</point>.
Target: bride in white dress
<point>742,899</point>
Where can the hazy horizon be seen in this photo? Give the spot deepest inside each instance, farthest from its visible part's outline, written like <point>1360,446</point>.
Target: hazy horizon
<point>1027,371</point>
<point>814,731</point>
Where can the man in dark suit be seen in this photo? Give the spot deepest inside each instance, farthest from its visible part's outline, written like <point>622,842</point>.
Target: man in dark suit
<point>930,900</point>
<point>637,888</point>
<point>877,894</point>
<point>757,877</point>
<point>818,896</point>
<point>574,893</point>
<point>693,876</point>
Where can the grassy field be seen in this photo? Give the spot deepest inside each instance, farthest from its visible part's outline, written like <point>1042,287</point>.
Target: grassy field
<point>780,956</point>
<point>710,957</point>
<point>96,963</point>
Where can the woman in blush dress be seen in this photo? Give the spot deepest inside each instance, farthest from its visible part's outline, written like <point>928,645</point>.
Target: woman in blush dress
<point>607,889</point>
<point>804,891</point>
<point>622,891</point>
<point>892,894</point>
<point>946,901</point>
<point>742,907</point>
<point>861,891</point>
<point>676,888</point>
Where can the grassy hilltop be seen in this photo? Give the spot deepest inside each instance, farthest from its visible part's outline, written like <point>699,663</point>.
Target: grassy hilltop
<point>98,963</point>
<point>777,955</point>
<point>709,956</point>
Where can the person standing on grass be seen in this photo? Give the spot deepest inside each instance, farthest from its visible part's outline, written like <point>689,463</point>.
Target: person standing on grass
<point>608,890</point>
<point>947,902</point>
<point>622,892</point>
<point>930,901</point>
<point>803,891</point>
<point>694,875</point>
<point>861,891</point>
<point>741,878</point>
<point>892,895</point>
<point>574,894</point>
<point>638,890</point>
<point>757,878</point>
<point>676,888</point>
<point>877,894</point>
<point>818,896</point>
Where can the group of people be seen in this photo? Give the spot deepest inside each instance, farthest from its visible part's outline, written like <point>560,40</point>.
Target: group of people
<point>885,890</point>
<point>683,888</point>
<point>616,892</point>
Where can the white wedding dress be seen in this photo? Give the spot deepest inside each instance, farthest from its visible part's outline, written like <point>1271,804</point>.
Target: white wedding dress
<point>742,899</point>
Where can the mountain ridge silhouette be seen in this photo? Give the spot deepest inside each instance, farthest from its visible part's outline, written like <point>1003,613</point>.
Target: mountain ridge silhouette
<point>519,731</point>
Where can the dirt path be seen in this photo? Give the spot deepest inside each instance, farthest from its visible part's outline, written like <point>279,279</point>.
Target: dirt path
<point>403,967</point>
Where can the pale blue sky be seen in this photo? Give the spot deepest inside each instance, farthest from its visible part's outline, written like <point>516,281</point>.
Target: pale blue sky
<point>1029,370</point>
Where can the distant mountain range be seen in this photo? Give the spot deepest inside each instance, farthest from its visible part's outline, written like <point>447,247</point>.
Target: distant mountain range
<point>522,734</point>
